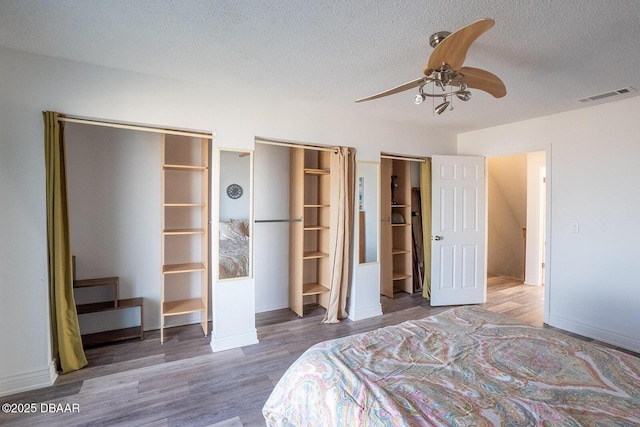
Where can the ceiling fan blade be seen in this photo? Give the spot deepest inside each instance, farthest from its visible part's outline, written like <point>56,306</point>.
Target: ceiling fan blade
<point>453,49</point>
<point>483,80</point>
<point>401,88</point>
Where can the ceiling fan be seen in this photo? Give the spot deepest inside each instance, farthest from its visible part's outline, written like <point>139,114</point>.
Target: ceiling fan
<point>445,73</point>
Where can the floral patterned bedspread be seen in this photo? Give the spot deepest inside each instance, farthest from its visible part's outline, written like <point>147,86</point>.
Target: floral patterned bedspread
<point>464,367</point>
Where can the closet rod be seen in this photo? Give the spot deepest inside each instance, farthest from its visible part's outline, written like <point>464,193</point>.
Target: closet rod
<point>279,220</point>
<point>291,145</point>
<point>409,159</point>
<point>134,127</point>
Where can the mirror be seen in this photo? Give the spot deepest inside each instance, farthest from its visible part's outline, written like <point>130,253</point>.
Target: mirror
<point>367,191</point>
<point>234,214</point>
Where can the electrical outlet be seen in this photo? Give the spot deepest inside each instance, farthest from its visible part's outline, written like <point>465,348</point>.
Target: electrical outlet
<point>575,227</point>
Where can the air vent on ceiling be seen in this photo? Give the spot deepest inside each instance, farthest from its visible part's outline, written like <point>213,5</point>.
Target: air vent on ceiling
<point>608,94</point>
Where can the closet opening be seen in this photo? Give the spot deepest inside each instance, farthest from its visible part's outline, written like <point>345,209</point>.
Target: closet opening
<point>405,213</point>
<point>118,206</point>
<point>299,227</point>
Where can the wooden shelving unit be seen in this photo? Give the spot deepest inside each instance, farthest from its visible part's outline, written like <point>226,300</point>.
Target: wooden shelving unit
<point>185,229</point>
<point>113,304</point>
<point>309,238</point>
<point>396,268</point>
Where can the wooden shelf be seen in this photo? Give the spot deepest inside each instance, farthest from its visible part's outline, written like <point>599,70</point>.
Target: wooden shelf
<point>314,289</point>
<point>400,275</point>
<point>182,231</point>
<point>314,254</point>
<point>110,282</point>
<point>97,307</point>
<point>401,225</point>
<point>313,171</point>
<point>317,206</point>
<point>398,251</point>
<point>102,281</point>
<point>182,268</point>
<point>400,206</point>
<point>112,336</point>
<point>315,227</point>
<point>185,306</point>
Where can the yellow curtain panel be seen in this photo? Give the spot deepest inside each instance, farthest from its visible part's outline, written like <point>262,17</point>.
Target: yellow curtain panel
<point>65,331</point>
<point>425,190</point>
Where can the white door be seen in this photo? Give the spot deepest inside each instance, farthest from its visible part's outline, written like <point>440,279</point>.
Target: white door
<point>458,247</point>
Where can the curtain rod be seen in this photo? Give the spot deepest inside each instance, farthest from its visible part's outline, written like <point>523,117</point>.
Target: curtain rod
<point>292,145</point>
<point>208,135</point>
<point>409,159</point>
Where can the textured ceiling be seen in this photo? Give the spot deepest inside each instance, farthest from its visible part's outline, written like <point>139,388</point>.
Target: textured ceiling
<point>549,53</point>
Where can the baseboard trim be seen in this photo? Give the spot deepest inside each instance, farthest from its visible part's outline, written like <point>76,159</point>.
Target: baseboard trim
<point>219,343</point>
<point>595,333</point>
<point>366,313</point>
<point>26,381</point>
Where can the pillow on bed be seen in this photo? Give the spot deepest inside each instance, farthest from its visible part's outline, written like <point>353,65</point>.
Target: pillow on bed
<point>234,229</point>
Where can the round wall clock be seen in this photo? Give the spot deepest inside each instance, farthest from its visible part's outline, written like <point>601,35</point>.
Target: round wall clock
<point>234,191</point>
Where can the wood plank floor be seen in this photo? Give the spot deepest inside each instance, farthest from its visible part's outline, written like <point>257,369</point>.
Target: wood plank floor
<point>182,383</point>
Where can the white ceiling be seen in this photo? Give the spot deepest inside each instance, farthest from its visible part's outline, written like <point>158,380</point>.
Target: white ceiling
<point>549,53</point>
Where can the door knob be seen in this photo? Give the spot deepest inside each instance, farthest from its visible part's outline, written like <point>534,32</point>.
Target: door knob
<point>436,238</point>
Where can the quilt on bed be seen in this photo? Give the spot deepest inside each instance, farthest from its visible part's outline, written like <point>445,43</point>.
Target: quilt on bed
<point>466,366</point>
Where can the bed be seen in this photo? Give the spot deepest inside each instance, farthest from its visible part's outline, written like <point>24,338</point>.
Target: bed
<point>465,366</point>
<point>234,249</point>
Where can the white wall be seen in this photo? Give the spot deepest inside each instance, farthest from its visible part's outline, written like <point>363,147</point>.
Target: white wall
<point>25,357</point>
<point>592,175</point>
<point>536,199</point>
<point>32,83</point>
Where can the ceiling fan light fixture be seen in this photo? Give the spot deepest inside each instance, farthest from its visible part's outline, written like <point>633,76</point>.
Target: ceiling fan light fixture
<point>436,38</point>
<point>464,95</point>
<point>440,108</point>
<point>419,98</point>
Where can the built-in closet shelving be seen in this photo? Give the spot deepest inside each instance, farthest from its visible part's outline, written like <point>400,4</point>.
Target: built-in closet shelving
<point>396,267</point>
<point>310,185</point>
<point>185,228</point>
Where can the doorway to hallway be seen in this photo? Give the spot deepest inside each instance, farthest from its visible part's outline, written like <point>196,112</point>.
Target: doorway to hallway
<point>516,200</point>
